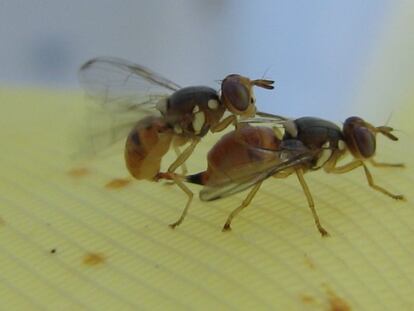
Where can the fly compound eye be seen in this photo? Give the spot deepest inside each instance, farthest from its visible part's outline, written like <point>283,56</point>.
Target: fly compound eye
<point>235,95</point>
<point>365,141</point>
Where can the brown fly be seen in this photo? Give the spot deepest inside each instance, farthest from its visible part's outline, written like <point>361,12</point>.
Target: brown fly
<point>246,157</point>
<point>166,115</point>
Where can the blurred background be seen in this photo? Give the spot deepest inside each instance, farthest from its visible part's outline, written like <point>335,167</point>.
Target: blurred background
<point>329,58</point>
<point>82,237</point>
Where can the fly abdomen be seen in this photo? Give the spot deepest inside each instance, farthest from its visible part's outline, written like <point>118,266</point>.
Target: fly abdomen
<point>145,147</point>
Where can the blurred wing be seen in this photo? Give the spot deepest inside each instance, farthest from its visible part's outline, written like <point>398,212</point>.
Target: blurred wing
<point>250,174</point>
<point>123,93</point>
<point>271,116</point>
<point>119,84</point>
<point>101,132</point>
<point>266,118</point>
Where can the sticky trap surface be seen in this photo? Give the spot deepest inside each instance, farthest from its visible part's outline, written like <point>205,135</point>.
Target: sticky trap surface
<point>87,237</point>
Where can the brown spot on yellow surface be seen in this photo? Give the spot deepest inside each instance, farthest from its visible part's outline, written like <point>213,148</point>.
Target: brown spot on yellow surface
<point>94,259</point>
<point>2,221</point>
<point>307,299</point>
<point>309,262</point>
<point>78,172</point>
<point>118,183</point>
<point>336,303</point>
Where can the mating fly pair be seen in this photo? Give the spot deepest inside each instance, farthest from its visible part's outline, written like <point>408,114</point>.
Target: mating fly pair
<point>241,159</point>
<point>168,116</point>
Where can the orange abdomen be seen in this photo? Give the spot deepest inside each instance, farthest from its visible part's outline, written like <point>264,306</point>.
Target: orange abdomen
<point>239,149</point>
<point>146,144</point>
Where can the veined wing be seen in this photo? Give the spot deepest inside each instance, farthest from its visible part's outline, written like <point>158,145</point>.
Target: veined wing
<point>125,93</point>
<point>102,130</point>
<point>247,175</point>
<point>122,85</point>
<point>264,117</point>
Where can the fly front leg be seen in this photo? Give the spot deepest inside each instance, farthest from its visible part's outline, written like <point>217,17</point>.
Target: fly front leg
<point>383,164</point>
<point>355,164</point>
<point>378,188</point>
<point>246,202</point>
<point>322,230</point>
<point>332,165</point>
<point>223,124</point>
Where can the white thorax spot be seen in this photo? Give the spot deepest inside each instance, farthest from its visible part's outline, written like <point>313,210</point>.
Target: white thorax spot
<point>178,129</point>
<point>341,145</point>
<point>278,133</point>
<point>325,155</point>
<point>196,109</point>
<point>198,121</point>
<point>162,105</point>
<point>213,104</point>
<point>291,128</point>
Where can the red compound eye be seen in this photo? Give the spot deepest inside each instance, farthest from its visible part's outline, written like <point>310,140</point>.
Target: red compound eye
<point>365,141</point>
<point>235,94</point>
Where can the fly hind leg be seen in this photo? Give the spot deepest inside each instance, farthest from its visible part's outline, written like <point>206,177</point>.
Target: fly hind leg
<point>183,156</point>
<point>246,202</point>
<point>177,151</point>
<point>190,195</point>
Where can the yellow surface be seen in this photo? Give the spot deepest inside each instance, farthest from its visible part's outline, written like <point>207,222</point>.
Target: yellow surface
<point>69,243</point>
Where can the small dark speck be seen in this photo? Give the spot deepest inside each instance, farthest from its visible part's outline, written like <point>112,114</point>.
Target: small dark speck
<point>53,251</point>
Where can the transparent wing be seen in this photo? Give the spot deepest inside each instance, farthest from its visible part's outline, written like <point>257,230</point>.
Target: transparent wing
<point>271,116</point>
<point>264,117</point>
<point>245,176</point>
<point>103,133</point>
<point>122,93</point>
<point>119,84</point>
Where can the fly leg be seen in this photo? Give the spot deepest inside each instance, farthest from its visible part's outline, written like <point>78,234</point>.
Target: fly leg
<point>190,195</point>
<point>382,164</point>
<point>246,202</point>
<point>357,163</point>
<point>177,163</point>
<point>378,188</point>
<point>183,156</point>
<point>299,174</point>
<point>183,165</point>
<point>223,124</point>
